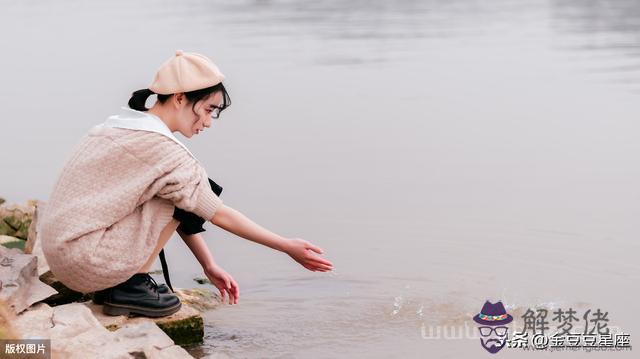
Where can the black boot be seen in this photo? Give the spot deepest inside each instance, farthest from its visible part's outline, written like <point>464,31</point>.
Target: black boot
<point>101,295</point>
<point>139,295</point>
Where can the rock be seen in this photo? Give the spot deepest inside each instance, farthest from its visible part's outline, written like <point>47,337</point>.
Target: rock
<point>7,330</point>
<point>76,333</point>
<point>32,232</point>
<point>143,333</point>
<point>171,352</point>
<point>2,200</point>
<point>217,356</point>
<point>5,238</point>
<point>202,280</point>
<point>73,331</point>
<point>70,320</point>
<point>5,229</point>
<point>184,327</point>
<point>19,284</point>
<point>33,245</point>
<point>200,298</point>
<point>146,337</point>
<point>35,322</point>
<point>15,220</point>
<point>93,343</point>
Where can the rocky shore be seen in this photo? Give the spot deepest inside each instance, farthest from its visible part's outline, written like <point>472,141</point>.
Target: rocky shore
<point>34,305</point>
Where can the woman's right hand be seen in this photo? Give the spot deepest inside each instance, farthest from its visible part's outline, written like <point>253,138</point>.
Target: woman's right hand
<point>304,253</point>
<point>224,282</point>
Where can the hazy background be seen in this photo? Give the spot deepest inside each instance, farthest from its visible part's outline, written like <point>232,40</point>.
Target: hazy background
<point>441,152</point>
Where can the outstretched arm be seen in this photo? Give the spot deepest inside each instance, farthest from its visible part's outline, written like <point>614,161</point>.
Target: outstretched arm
<point>300,250</point>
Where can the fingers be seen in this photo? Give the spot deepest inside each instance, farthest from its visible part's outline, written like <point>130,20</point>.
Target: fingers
<point>317,267</point>
<point>232,297</point>
<point>324,268</point>
<point>321,267</point>
<point>315,263</point>
<point>222,294</point>
<point>235,291</point>
<point>309,267</point>
<point>229,288</point>
<point>314,248</point>
<point>320,260</point>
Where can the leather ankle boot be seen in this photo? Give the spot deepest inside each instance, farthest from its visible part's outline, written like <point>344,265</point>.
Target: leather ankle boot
<point>139,295</point>
<point>101,295</point>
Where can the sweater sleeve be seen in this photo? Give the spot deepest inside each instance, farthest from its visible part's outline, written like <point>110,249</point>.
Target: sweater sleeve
<point>187,186</point>
<point>177,176</point>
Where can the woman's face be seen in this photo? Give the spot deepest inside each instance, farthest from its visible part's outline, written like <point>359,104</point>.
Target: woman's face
<point>191,123</point>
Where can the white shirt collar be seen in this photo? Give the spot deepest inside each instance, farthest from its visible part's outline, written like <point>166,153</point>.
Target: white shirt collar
<point>137,120</point>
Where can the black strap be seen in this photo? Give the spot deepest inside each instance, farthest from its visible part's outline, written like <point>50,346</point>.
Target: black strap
<point>165,269</point>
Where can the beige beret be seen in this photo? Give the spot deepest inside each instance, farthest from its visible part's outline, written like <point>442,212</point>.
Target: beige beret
<point>184,72</point>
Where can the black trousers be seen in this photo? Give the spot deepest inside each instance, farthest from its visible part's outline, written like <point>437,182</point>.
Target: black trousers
<point>191,223</point>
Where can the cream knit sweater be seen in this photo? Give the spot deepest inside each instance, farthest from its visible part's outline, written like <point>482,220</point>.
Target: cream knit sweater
<point>112,199</point>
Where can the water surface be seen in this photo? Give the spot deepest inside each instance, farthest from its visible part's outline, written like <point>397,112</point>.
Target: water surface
<point>441,152</point>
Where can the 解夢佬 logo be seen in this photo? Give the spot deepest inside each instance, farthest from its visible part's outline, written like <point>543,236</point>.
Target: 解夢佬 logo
<point>493,320</point>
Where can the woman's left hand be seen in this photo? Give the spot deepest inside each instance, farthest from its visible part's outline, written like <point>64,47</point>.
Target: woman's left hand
<point>224,282</point>
<point>306,254</point>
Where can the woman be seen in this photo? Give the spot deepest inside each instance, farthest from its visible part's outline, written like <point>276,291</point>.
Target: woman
<point>130,184</point>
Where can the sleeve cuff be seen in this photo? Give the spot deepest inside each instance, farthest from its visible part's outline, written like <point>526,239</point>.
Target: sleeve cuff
<point>208,202</point>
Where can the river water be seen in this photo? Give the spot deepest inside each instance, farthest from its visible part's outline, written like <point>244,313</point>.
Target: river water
<point>442,153</point>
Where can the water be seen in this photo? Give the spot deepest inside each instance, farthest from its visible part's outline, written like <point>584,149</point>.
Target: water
<point>441,152</point>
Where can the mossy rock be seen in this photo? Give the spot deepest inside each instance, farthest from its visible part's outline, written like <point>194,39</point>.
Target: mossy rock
<point>14,226</point>
<point>15,219</point>
<point>23,230</point>
<point>12,242</point>
<point>13,222</point>
<point>15,244</point>
<point>6,229</point>
<point>201,299</point>
<point>186,331</point>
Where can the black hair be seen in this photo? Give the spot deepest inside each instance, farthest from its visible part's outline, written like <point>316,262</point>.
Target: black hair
<point>139,98</point>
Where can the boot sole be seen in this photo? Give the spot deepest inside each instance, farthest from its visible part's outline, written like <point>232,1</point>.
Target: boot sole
<point>100,300</point>
<point>125,309</point>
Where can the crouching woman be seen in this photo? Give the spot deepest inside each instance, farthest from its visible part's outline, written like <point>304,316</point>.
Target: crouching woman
<point>129,184</point>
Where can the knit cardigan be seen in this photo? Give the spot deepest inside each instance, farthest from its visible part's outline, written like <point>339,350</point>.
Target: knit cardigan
<point>113,197</point>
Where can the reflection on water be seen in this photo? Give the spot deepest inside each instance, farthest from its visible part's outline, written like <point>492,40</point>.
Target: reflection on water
<point>605,29</point>
<point>605,24</point>
<point>441,152</point>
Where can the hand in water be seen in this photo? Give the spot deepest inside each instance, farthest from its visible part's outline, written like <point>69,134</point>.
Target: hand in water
<point>225,284</point>
<point>304,253</point>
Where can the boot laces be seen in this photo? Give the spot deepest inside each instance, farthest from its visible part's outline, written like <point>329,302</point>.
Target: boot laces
<point>151,282</point>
